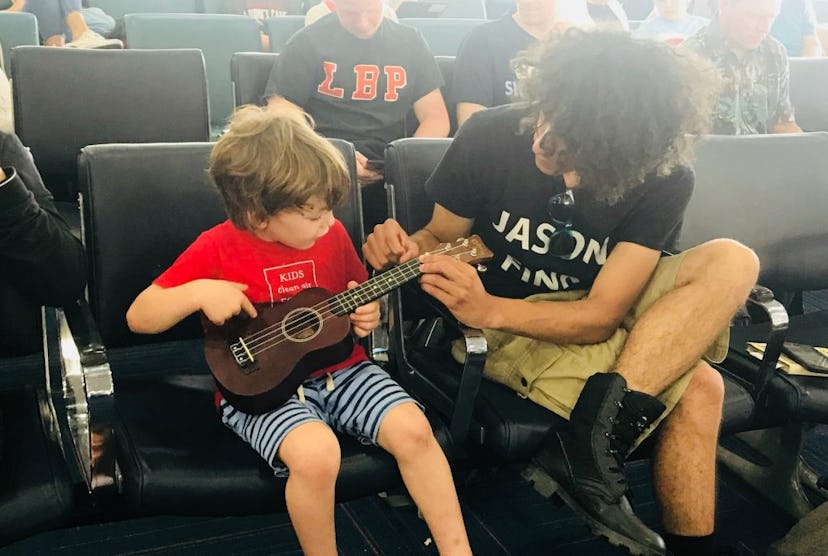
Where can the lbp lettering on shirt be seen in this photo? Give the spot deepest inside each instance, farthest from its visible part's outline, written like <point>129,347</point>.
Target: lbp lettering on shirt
<point>285,281</point>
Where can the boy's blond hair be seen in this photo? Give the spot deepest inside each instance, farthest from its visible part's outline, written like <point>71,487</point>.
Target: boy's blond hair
<point>270,160</point>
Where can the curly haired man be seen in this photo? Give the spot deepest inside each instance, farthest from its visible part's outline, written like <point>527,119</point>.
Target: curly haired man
<point>579,192</point>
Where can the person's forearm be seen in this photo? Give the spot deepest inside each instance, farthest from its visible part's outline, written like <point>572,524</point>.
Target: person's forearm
<point>436,126</point>
<point>158,309</point>
<point>560,322</point>
<point>786,127</point>
<point>41,256</point>
<point>426,240</point>
<point>811,47</point>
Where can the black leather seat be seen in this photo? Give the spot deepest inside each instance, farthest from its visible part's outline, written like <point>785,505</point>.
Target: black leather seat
<point>809,79</point>
<point>143,204</point>
<point>770,192</point>
<point>36,491</point>
<point>510,427</point>
<point>249,72</point>
<point>66,98</point>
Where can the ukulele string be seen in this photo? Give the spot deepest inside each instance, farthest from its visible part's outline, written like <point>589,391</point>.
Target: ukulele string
<point>400,269</point>
<point>275,337</point>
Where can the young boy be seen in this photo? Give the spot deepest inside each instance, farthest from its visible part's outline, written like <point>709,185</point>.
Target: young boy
<point>279,181</point>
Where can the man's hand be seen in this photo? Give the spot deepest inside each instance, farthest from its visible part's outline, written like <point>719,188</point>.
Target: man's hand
<point>364,174</point>
<point>221,300</point>
<point>388,245</point>
<point>2,175</point>
<point>365,318</point>
<point>456,285</point>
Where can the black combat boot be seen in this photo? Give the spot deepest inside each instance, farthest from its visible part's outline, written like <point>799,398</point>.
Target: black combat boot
<point>586,460</point>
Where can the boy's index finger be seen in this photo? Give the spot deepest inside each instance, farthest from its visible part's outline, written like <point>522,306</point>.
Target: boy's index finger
<point>249,308</point>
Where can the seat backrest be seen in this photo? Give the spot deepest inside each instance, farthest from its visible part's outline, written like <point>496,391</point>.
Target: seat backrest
<point>443,35</point>
<point>112,96</point>
<point>17,29</point>
<point>280,29</point>
<point>249,72</point>
<point>472,9</point>
<point>143,204</point>
<point>260,10</point>
<point>809,83</point>
<point>771,193</point>
<point>119,8</point>
<point>408,164</point>
<point>218,36</point>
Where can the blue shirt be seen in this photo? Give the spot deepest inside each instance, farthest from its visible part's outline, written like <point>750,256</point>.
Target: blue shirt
<point>796,20</point>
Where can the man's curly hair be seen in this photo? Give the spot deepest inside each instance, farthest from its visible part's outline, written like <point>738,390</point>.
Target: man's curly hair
<point>624,107</point>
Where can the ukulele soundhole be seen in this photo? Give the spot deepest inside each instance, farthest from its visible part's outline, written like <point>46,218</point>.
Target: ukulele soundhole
<point>302,325</point>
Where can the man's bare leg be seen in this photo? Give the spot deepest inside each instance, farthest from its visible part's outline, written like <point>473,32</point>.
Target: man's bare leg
<point>672,335</point>
<point>684,460</point>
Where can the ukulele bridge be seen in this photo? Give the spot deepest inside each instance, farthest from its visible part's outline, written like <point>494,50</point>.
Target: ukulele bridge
<point>242,355</point>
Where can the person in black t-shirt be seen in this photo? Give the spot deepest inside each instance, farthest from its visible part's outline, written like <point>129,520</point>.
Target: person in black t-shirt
<point>358,74</point>
<point>578,192</point>
<point>483,76</point>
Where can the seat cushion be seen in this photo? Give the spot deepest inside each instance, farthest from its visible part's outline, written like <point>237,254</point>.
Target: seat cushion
<point>178,458</point>
<point>514,428</point>
<point>35,490</point>
<point>800,398</point>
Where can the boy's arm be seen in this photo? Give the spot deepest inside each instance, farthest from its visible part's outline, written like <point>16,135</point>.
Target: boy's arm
<point>157,309</point>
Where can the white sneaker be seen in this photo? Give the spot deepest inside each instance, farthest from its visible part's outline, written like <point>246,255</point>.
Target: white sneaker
<point>91,39</point>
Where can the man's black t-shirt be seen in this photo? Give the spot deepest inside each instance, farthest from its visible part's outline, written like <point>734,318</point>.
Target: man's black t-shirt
<point>482,71</point>
<point>489,174</point>
<point>356,89</point>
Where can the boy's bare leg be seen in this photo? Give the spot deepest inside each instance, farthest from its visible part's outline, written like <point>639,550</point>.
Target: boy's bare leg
<point>406,434</point>
<point>311,452</point>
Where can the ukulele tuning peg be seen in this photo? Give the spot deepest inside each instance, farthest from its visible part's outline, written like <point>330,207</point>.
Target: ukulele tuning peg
<point>474,252</point>
<point>481,268</point>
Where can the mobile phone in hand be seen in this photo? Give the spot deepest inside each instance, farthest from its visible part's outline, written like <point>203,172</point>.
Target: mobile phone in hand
<point>807,356</point>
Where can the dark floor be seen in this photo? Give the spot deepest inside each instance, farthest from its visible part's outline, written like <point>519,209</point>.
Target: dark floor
<point>504,515</point>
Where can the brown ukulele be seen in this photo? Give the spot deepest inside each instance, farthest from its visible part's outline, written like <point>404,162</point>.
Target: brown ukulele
<point>259,363</point>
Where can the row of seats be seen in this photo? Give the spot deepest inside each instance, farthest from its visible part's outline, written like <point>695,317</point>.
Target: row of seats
<point>141,96</point>
<point>152,434</point>
<point>119,8</point>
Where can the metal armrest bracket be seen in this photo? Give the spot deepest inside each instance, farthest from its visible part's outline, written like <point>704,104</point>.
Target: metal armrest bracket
<point>81,394</point>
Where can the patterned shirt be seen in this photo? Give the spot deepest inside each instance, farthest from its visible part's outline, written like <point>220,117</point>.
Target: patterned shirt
<point>756,96</point>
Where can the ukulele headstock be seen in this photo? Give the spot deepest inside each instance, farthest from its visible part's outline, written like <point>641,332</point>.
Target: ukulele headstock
<point>470,250</point>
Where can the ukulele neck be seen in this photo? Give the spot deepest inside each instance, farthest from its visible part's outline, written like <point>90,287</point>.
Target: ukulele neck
<point>376,287</point>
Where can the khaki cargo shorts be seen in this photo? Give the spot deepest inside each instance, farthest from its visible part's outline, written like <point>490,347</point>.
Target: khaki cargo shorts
<point>553,375</point>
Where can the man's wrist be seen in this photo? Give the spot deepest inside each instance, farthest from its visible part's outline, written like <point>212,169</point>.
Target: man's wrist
<point>3,177</point>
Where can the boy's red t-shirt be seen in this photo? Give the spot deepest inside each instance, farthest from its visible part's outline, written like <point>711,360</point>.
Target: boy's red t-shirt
<point>273,272</point>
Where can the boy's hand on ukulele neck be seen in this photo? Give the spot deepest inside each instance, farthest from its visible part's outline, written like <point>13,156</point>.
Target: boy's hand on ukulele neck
<point>365,318</point>
<point>221,300</point>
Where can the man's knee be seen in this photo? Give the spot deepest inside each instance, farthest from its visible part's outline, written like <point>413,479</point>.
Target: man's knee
<point>725,261</point>
<point>701,404</point>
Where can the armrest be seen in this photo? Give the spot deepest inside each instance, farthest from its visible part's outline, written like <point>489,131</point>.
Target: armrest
<point>459,410</point>
<point>81,394</point>
<point>778,317</point>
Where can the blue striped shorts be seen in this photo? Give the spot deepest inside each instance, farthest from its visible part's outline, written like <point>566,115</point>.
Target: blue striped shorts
<point>356,404</point>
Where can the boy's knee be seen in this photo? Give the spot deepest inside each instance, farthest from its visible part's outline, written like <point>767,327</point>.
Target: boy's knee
<point>315,456</point>
<point>408,432</point>
<point>319,466</point>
